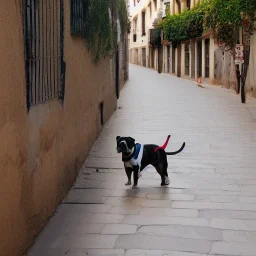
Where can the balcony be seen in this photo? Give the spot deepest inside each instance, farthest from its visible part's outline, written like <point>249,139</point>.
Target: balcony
<point>155,36</point>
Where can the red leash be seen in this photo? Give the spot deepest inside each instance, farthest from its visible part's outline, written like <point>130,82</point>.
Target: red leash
<point>165,144</point>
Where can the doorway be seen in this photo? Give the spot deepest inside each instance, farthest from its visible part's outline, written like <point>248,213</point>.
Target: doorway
<point>144,57</point>
<point>168,59</point>
<point>199,59</point>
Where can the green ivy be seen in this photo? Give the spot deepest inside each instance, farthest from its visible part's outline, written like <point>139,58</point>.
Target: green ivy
<point>222,17</point>
<point>101,31</point>
<point>184,26</point>
<point>123,15</point>
<point>225,17</point>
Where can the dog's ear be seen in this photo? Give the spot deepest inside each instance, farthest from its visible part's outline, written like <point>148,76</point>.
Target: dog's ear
<point>132,140</point>
<point>117,138</point>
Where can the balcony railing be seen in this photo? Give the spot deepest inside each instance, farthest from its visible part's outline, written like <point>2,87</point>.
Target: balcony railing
<point>155,36</point>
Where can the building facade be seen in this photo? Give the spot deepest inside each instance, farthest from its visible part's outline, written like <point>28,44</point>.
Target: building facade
<point>54,100</point>
<point>143,14</point>
<point>191,59</point>
<point>200,57</point>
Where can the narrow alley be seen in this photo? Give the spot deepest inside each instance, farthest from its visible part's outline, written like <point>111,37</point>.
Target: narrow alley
<point>209,207</point>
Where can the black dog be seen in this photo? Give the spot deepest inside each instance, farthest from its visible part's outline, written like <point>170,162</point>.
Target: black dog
<point>136,157</point>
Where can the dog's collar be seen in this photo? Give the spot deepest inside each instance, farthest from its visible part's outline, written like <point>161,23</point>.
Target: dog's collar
<point>134,153</point>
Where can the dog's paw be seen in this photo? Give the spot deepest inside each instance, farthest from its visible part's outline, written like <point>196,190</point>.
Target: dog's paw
<point>128,183</point>
<point>167,181</point>
<point>134,187</point>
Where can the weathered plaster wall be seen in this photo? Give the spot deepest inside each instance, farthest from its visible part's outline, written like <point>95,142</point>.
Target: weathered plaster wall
<point>42,150</point>
<point>251,78</point>
<point>13,130</point>
<point>224,71</point>
<point>224,68</point>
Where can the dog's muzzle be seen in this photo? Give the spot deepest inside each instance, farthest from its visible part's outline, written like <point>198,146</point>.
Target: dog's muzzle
<point>122,148</point>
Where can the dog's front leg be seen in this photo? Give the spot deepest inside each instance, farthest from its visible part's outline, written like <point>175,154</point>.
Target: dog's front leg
<point>135,176</point>
<point>129,175</point>
<point>128,171</point>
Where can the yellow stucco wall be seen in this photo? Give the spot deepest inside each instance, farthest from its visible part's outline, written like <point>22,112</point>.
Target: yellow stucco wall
<point>42,150</point>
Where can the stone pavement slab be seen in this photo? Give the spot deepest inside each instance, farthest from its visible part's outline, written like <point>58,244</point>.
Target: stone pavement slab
<point>209,234</point>
<point>119,229</point>
<point>147,242</point>
<point>209,207</point>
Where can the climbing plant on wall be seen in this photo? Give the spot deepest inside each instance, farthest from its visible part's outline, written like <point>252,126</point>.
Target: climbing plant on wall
<point>184,26</point>
<point>222,17</point>
<point>225,17</point>
<point>101,25</point>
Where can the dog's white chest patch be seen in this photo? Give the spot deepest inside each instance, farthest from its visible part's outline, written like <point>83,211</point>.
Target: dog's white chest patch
<point>136,160</point>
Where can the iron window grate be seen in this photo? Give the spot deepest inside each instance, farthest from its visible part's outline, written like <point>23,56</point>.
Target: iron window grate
<point>43,34</point>
<point>78,17</point>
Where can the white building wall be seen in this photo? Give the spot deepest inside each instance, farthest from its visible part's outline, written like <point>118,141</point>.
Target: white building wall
<point>219,63</point>
<point>142,41</point>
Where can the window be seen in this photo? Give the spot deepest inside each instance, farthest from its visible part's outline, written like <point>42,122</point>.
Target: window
<point>135,30</point>
<point>187,59</point>
<point>150,10</point>
<point>188,5</point>
<point>178,6</point>
<point>44,65</point>
<point>143,29</point>
<point>155,4</point>
<point>78,17</point>
<point>134,2</point>
<point>207,57</point>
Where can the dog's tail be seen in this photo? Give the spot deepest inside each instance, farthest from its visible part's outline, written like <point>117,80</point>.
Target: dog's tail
<point>165,144</point>
<point>176,152</point>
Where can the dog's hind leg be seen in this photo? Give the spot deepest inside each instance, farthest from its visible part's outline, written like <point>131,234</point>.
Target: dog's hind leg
<point>161,173</point>
<point>166,172</point>
<point>162,166</point>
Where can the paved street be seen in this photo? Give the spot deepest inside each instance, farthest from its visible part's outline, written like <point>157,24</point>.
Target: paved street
<point>209,207</point>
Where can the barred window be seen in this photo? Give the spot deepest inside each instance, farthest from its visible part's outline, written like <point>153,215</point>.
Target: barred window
<point>43,34</point>
<point>78,17</point>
